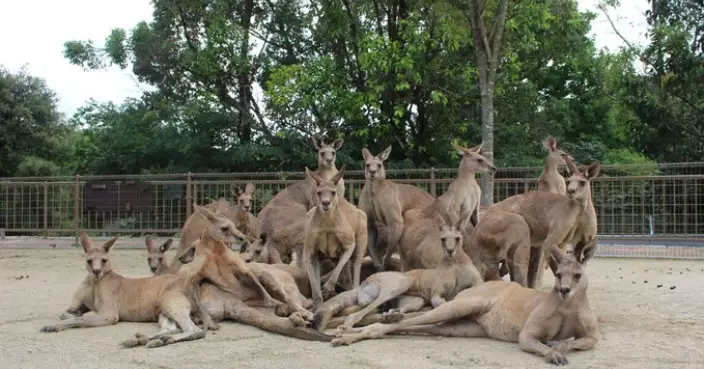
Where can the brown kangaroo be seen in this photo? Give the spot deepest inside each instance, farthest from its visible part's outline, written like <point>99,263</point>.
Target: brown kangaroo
<point>242,215</point>
<point>385,203</point>
<point>282,220</point>
<point>506,311</point>
<point>556,220</point>
<point>335,229</point>
<point>551,180</point>
<point>417,288</point>
<point>167,299</point>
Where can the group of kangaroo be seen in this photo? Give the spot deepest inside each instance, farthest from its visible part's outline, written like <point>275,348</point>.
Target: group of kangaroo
<point>300,268</point>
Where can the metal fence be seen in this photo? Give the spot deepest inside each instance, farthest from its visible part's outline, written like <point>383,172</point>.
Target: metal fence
<point>643,210</point>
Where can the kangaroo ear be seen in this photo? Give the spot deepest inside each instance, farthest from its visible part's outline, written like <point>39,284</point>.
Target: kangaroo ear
<point>337,144</point>
<point>384,155</point>
<point>555,257</point>
<point>166,246</point>
<point>338,176</point>
<point>461,149</point>
<point>249,188</point>
<point>149,242</point>
<point>318,141</point>
<point>236,192</point>
<point>477,149</point>
<point>366,154</point>
<point>108,245</point>
<point>313,177</point>
<point>86,242</point>
<point>593,170</point>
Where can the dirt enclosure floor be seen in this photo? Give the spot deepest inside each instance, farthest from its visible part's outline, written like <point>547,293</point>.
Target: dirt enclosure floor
<point>651,315</point>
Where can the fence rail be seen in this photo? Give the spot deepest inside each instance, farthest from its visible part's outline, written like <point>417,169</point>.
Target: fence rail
<point>643,201</point>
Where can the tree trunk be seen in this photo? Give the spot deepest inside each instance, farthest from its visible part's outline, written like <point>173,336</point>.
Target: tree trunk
<point>487,99</point>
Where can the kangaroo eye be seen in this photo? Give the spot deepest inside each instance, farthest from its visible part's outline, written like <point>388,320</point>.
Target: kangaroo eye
<point>577,276</point>
<point>558,275</point>
<point>224,229</point>
<point>457,239</point>
<point>334,193</point>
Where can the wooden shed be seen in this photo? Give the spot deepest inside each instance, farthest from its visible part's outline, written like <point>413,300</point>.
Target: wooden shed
<point>112,196</point>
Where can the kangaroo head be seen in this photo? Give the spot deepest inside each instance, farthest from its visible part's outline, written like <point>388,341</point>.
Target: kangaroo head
<point>326,152</point>
<point>256,250</point>
<point>578,187</point>
<point>220,227</point>
<point>473,161</point>
<point>244,199</point>
<point>97,258</point>
<point>450,236</point>
<point>374,165</point>
<point>326,191</point>
<point>155,254</point>
<point>556,157</point>
<point>570,279</point>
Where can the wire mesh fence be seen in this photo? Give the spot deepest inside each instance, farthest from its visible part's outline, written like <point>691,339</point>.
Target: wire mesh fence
<point>643,210</point>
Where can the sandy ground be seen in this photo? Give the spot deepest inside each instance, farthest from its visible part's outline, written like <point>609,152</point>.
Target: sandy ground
<point>642,326</point>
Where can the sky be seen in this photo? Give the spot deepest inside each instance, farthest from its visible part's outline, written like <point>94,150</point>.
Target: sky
<point>36,40</point>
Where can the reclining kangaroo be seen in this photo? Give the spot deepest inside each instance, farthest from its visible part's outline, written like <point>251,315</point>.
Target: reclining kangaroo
<point>416,288</point>
<point>385,202</point>
<point>505,311</point>
<point>282,219</point>
<point>285,282</point>
<point>228,298</point>
<point>167,299</point>
<point>556,220</point>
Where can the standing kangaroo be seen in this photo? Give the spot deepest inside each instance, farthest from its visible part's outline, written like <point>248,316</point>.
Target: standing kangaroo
<point>335,229</point>
<point>551,180</point>
<point>556,220</point>
<point>243,218</point>
<point>385,203</point>
<point>506,311</point>
<point>281,221</point>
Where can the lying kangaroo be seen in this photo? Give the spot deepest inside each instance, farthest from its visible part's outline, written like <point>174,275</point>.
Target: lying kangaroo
<point>197,222</point>
<point>167,299</point>
<point>385,203</point>
<point>282,220</point>
<point>335,229</point>
<point>226,297</point>
<point>283,281</point>
<point>417,288</point>
<point>551,180</point>
<point>556,220</point>
<point>506,311</point>
<point>242,214</point>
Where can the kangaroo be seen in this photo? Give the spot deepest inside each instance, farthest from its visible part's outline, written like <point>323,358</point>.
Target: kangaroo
<point>156,256</point>
<point>168,299</point>
<point>226,297</point>
<point>336,229</point>
<point>242,217</point>
<point>197,222</point>
<point>385,203</point>
<point>551,180</point>
<point>282,219</point>
<point>541,322</point>
<point>501,237</point>
<point>555,220</point>
<point>461,201</point>
<point>416,288</point>
<point>462,196</point>
<point>287,283</point>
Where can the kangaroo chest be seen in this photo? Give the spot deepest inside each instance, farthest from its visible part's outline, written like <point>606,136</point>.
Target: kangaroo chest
<point>332,242</point>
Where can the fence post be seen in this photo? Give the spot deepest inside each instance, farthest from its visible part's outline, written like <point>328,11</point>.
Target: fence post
<point>526,185</point>
<point>433,183</point>
<point>188,195</point>
<point>195,191</point>
<point>76,204</point>
<point>46,209</point>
